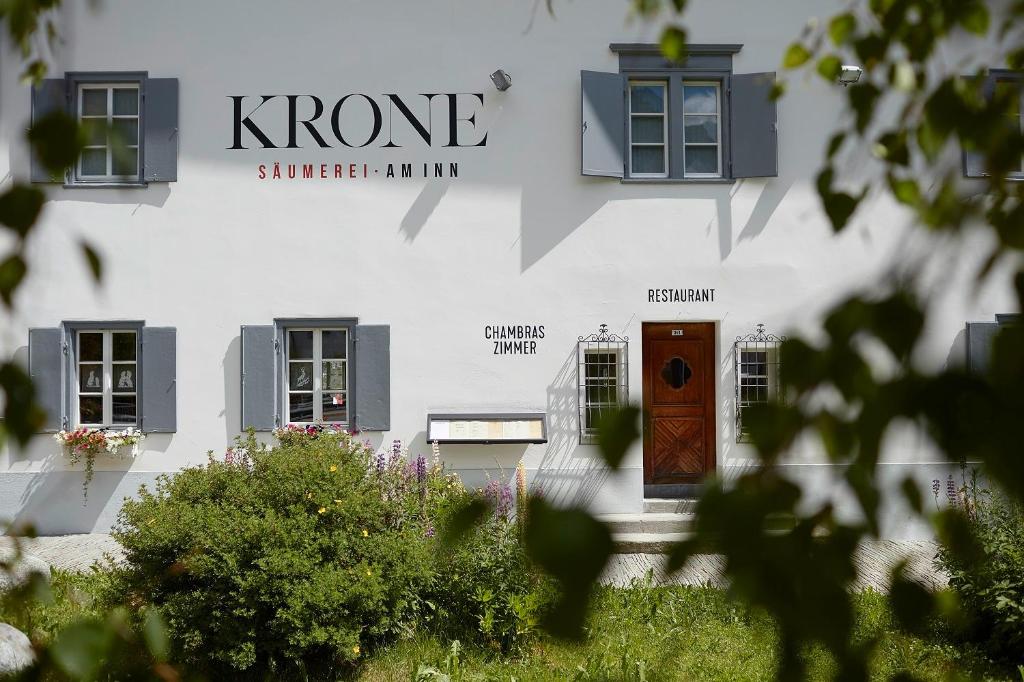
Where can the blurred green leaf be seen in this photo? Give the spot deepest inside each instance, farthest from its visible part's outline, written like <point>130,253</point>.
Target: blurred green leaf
<point>20,207</point>
<point>796,55</point>
<point>463,520</point>
<point>974,16</point>
<point>12,271</point>
<point>56,141</point>
<point>23,418</point>
<point>829,67</point>
<point>841,27</point>
<point>911,603</point>
<point>573,547</point>
<point>80,649</point>
<point>616,432</point>
<point>673,43</point>
<point>154,632</point>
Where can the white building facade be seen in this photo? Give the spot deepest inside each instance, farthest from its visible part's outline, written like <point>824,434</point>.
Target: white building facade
<point>329,212</point>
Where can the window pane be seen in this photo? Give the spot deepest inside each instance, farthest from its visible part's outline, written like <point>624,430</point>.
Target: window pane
<point>94,102</point>
<point>124,409</point>
<point>648,129</point>
<point>125,131</point>
<point>94,162</point>
<point>332,344</point>
<point>126,102</point>
<point>124,345</point>
<point>90,347</point>
<point>701,159</point>
<point>300,345</point>
<point>90,409</point>
<point>648,160</point>
<point>334,407</point>
<point>300,407</point>
<point>647,99</point>
<point>90,378</point>
<point>95,132</point>
<point>125,161</point>
<point>700,99</point>
<point>700,128</point>
<point>300,376</point>
<point>124,378</point>
<point>333,375</point>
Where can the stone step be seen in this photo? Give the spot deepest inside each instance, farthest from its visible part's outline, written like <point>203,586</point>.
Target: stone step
<point>665,505</point>
<point>646,543</point>
<point>669,522</point>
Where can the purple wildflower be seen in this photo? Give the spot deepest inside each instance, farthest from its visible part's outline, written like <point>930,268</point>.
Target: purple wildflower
<point>421,469</point>
<point>229,456</point>
<point>380,462</point>
<point>429,532</point>
<point>935,487</point>
<point>951,496</point>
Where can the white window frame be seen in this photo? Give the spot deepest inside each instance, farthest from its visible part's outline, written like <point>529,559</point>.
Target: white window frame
<point>317,391</point>
<point>588,429</point>
<point>108,122</point>
<point>718,135</point>
<point>107,379</point>
<point>664,85</point>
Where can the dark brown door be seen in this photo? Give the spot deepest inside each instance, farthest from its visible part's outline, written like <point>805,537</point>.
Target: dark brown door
<point>679,401</point>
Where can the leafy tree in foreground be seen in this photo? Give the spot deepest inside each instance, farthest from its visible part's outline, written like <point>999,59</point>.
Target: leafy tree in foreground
<point>802,576</point>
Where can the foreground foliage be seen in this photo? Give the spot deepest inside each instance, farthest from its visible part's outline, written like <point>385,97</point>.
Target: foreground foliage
<point>673,633</point>
<point>991,589</point>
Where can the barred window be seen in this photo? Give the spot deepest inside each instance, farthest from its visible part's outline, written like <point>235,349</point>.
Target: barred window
<point>602,378</point>
<point>757,374</point>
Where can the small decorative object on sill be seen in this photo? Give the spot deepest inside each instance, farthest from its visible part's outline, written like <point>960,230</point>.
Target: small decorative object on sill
<point>294,434</point>
<point>85,443</point>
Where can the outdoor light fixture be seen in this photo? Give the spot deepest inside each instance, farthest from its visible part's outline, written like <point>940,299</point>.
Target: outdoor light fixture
<point>501,80</point>
<point>849,74</point>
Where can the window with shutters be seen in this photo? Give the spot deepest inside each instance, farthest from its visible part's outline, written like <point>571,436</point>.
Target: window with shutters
<point>109,116</point>
<point>106,377</point>
<point>317,375</point>
<point>129,123</point>
<point>694,121</point>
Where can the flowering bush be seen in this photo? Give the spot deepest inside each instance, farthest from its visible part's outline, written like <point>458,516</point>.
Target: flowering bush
<point>85,443</point>
<point>284,561</point>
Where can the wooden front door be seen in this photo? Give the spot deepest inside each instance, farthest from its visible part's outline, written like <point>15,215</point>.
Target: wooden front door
<point>679,401</point>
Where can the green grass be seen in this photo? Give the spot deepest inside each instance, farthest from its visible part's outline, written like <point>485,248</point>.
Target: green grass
<point>642,633</point>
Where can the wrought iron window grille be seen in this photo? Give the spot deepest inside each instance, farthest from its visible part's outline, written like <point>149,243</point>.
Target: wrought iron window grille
<point>757,374</point>
<point>602,378</point>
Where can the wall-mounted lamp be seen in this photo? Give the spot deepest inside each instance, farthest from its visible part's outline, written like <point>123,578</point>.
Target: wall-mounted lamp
<point>849,74</point>
<point>501,80</point>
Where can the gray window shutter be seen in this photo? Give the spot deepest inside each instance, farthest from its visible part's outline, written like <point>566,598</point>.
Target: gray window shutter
<point>259,387</point>
<point>160,150</point>
<point>754,136</point>
<point>46,367</point>
<point>49,95</point>
<point>373,377</point>
<point>603,123</point>
<point>979,345</point>
<point>159,383</point>
<point>974,162</point>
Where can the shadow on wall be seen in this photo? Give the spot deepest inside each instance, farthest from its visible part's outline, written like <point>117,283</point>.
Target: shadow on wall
<point>232,412</point>
<point>569,473</point>
<point>957,356</point>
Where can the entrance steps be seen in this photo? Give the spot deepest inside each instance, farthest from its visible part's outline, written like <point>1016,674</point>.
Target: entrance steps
<point>663,523</point>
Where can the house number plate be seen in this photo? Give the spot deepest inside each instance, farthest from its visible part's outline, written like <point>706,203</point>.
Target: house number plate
<point>677,332</point>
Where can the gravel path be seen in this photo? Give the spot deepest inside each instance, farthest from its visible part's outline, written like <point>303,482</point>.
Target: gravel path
<point>875,561</point>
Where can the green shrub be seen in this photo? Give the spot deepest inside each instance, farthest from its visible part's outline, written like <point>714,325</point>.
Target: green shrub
<point>485,590</point>
<point>990,588</point>
<point>290,560</point>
